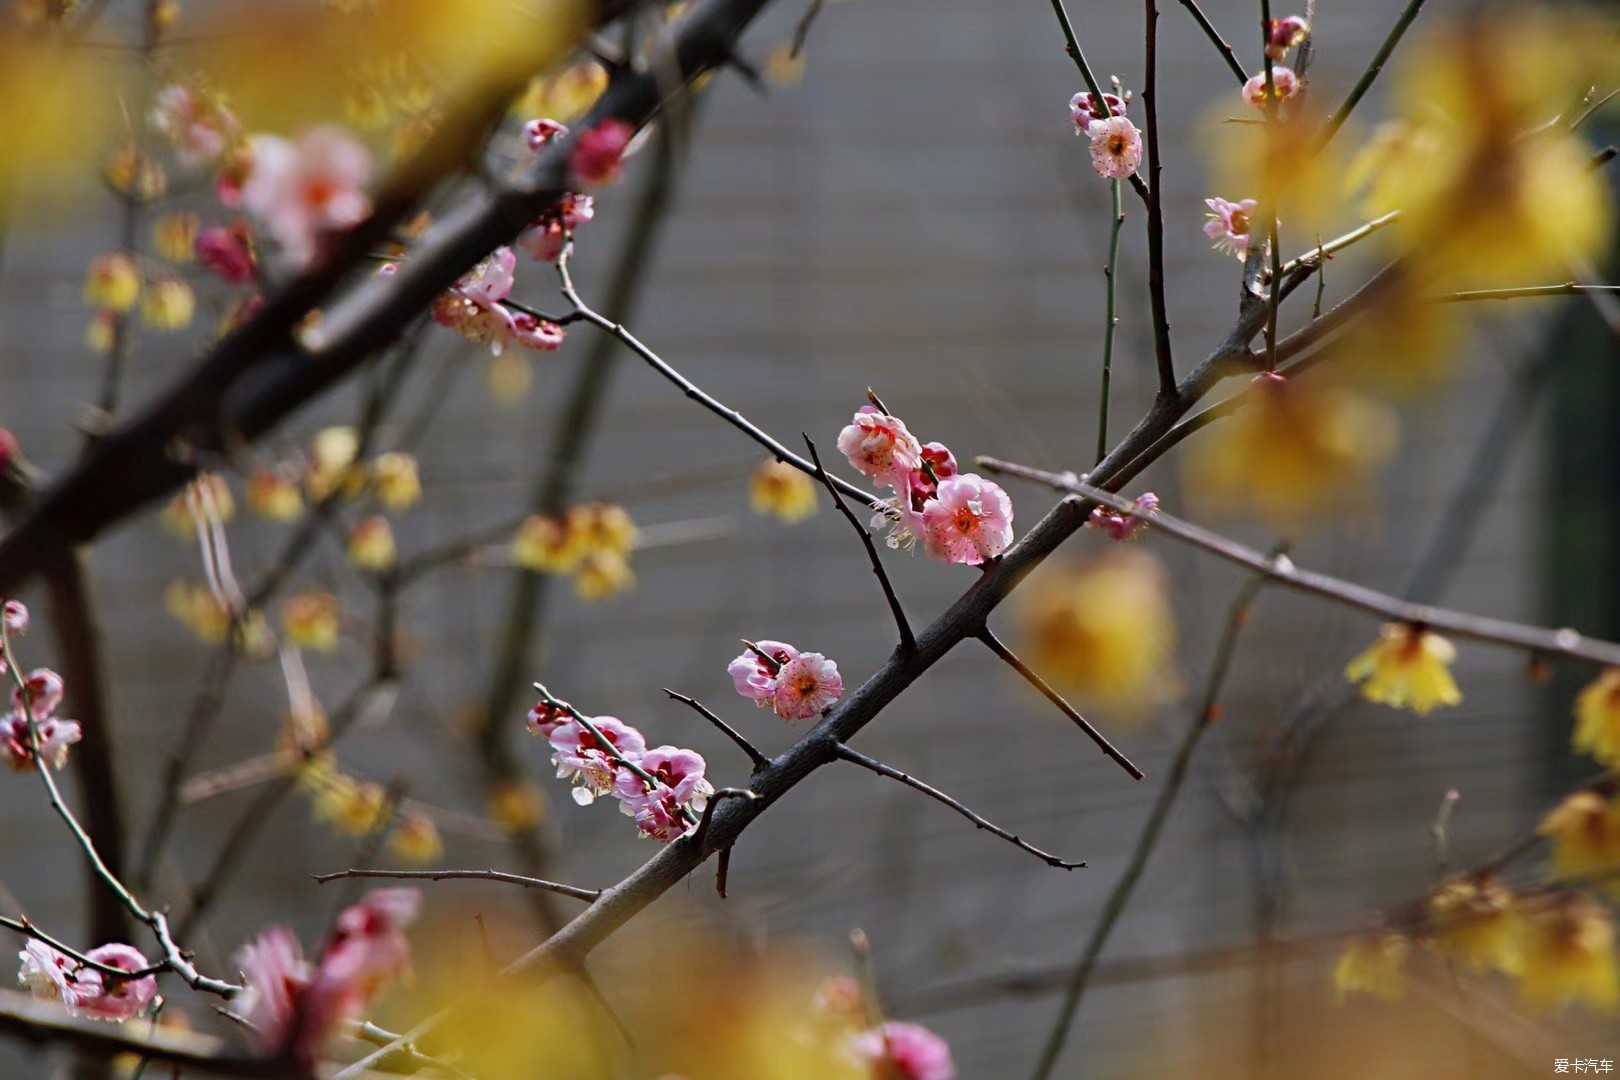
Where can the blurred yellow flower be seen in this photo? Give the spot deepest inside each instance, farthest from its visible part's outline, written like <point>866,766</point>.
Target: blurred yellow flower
<point>1406,668</point>
<point>272,494</point>
<point>395,479</point>
<point>371,544</point>
<point>311,620</point>
<point>415,839</point>
<point>1301,446</point>
<point>564,95</point>
<point>197,609</point>
<point>546,545</point>
<point>1373,965</point>
<point>354,807</point>
<point>602,527</point>
<point>333,463</point>
<point>136,174</point>
<point>101,333</point>
<point>517,804</point>
<point>1597,719</point>
<point>1569,956</point>
<point>782,67</point>
<point>1105,629</point>
<point>508,377</point>
<point>168,304</point>
<point>782,491</point>
<point>174,236</point>
<point>1584,831</point>
<point>1477,923</point>
<point>209,496</point>
<point>1406,344</point>
<point>603,574</point>
<point>112,283</point>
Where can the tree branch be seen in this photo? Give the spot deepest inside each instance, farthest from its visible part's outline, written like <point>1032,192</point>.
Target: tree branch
<point>1220,43</point>
<point>574,891</point>
<point>1376,65</point>
<point>754,755</point>
<point>1155,211</point>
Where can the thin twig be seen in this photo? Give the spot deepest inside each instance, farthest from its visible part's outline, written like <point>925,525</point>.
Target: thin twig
<point>1114,906</point>
<point>1567,288</point>
<point>1376,65</point>
<point>856,757</point>
<point>1110,320</point>
<point>1155,212</point>
<point>1318,252</point>
<point>753,752</point>
<point>907,641</point>
<point>560,889</point>
<point>1591,110</point>
<point>802,30</point>
<point>1072,47</point>
<point>607,744</point>
<point>995,645</point>
<point>1220,43</point>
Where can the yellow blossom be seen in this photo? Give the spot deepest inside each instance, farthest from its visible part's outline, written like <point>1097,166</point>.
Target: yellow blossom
<point>1597,719</point>
<point>779,489</point>
<point>371,544</point>
<point>197,609</point>
<point>1407,343</point>
<point>102,332</point>
<point>516,804</point>
<point>1584,831</point>
<point>509,377</point>
<point>1406,668</point>
<point>415,839</point>
<point>333,463</point>
<point>1373,965</point>
<point>113,283</point>
<point>546,545</point>
<point>602,527</point>
<point>1300,446</point>
<point>395,480</point>
<point>174,237</point>
<point>1569,956</point>
<point>603,574</point>
<point>136,175</point>
<point>165,13</point>
<point>311,621</point>
<point>1105,629</point>
<point>564,95</point>
<point>208,496</point>
<point>1477,923</point>
<point>782,67</point>
<point>354,807</point>
<point>272,494</point>
<point>169,304</point>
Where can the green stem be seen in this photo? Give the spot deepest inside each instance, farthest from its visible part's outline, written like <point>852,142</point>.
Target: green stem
<point>1363,84</point>
<point>1111,273</point>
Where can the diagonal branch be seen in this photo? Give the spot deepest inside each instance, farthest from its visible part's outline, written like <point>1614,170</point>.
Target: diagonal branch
<point>1155,210</point>
<point>753,752</point>
<point>1214,35</point>
<point>907,641</point>
<point>560,889</point>
<point>1006,654</point>
<point>1376,65</point>
<point>858,758</point>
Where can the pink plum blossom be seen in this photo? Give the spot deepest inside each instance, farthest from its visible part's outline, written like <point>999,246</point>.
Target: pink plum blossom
<point>581,758</point>
<point>907,1051</point>
<point>306,187</point>
<point>40,693</point>
<point>200,128</point>
<point>55,736</point>
<point>753,677</point>
<point>84,991</point>
<point>1230,224</point>
<point>878,445</point>
<point>598,152</point>
<point>227,251</point>
<point>1284,34</point>
<point>678,785</point>
<point>806,685</point>
<point>545,239</point>
<point>970,520</point>
<point>1124,526</point>
<point>1083,110</point>
<point>1282,78</point>
<point>14,614</point>
<point>545,718</point>
<point>541,132</point>
<point>472,307</point>
<point>276,975</point>
<point>1116,147</point>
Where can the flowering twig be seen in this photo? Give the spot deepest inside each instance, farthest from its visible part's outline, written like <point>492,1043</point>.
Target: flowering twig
<point>856,757</point>
<point>1321,251</point>
<point>1567,288</point>
<point>560,889</point>
<point>753,752</point>
<point>1114,906</point>
<point>1155,212</point>
<point>908,642</point>
<point>1220,43</point>
<point>1376,65</point>
<point>995,645</point>
<point>1537,640</point>
<point>1072,47</point>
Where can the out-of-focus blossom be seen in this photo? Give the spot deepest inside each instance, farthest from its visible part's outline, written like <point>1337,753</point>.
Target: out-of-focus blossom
<point>546,544</point>
<point>197,609</point>
<point>304,188</point>
<point>1429,337</point>
<point>1584,831</point>
<point>396,481</point>
<point>904,1051</point>
<point>227,251</point>
<point>276,975</point>
<point>135,174</point>
<point>112,283</point>
<point>1408,667</point>
<point>1597,718</point>
<point>1105,629</point>
<point>353,807</point>
<point>1284,83</point>
<point>756,679</point>
<point>1283,34</point>
<point>806,685</point>
<point>195,121</point>
<point>273,494</point>
<point>602,527</point>
<point>968,521</point>
<point>1124,526</point>
<point>1373,965</point>
<point>1478,923</point>
<point>208,498</point>
<point>580,757</point>
<point>516,805</point>
<point>40,693</point>
<point>1300,446</point>
<point>1569,955</point>
<point>598,152</point>
<point>415,839</point>
<point>84,991</point>
<point>174,236</point>
<point>1230,225</point>
<point>472,307</point>
<point>371,544</point>
<point>566,94</point>
<point>55,736</point>
<point>1116,147</point>
<point>1084,110</point>
<point>14,612</point>
<point>544,240</point>
<point>311,620</point>
<point>782,491</point>
<point>601,575</point>
<point>541,132</point>
<point>878,445</point>
<point>101,333</point>
<point>334,463</point>
<point>168,304</point>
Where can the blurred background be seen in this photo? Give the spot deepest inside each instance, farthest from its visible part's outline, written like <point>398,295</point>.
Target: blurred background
<point>915,215</point>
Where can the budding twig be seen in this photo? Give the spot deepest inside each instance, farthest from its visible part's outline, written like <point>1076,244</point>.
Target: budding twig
<point>873,764</point>
<point>560,889</point>
<point>753,752</point>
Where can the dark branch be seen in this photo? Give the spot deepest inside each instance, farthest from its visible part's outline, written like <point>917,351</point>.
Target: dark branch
<point>754,755</point>
<point>479,875</point>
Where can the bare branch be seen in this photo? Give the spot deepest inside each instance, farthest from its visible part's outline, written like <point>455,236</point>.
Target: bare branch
<point>1215,36</point>
<point>560,889</point>
<point>1376,65</point>
<point>858,758</point>
<point>753,752</point>
<point>715,800</point>
<point>1155,212</point>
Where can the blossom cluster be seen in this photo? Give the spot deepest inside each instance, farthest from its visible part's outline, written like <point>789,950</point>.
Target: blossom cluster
<point>891,1050</point>
<point>1115,144</point>
<point>31,721</point>
<point>960,517</point>
<point>795,685</point>
<point>474,307</point>
<point>294,1004</point>
<point>591,543</point>
<point>82,990</point>
<point>664,788</point>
